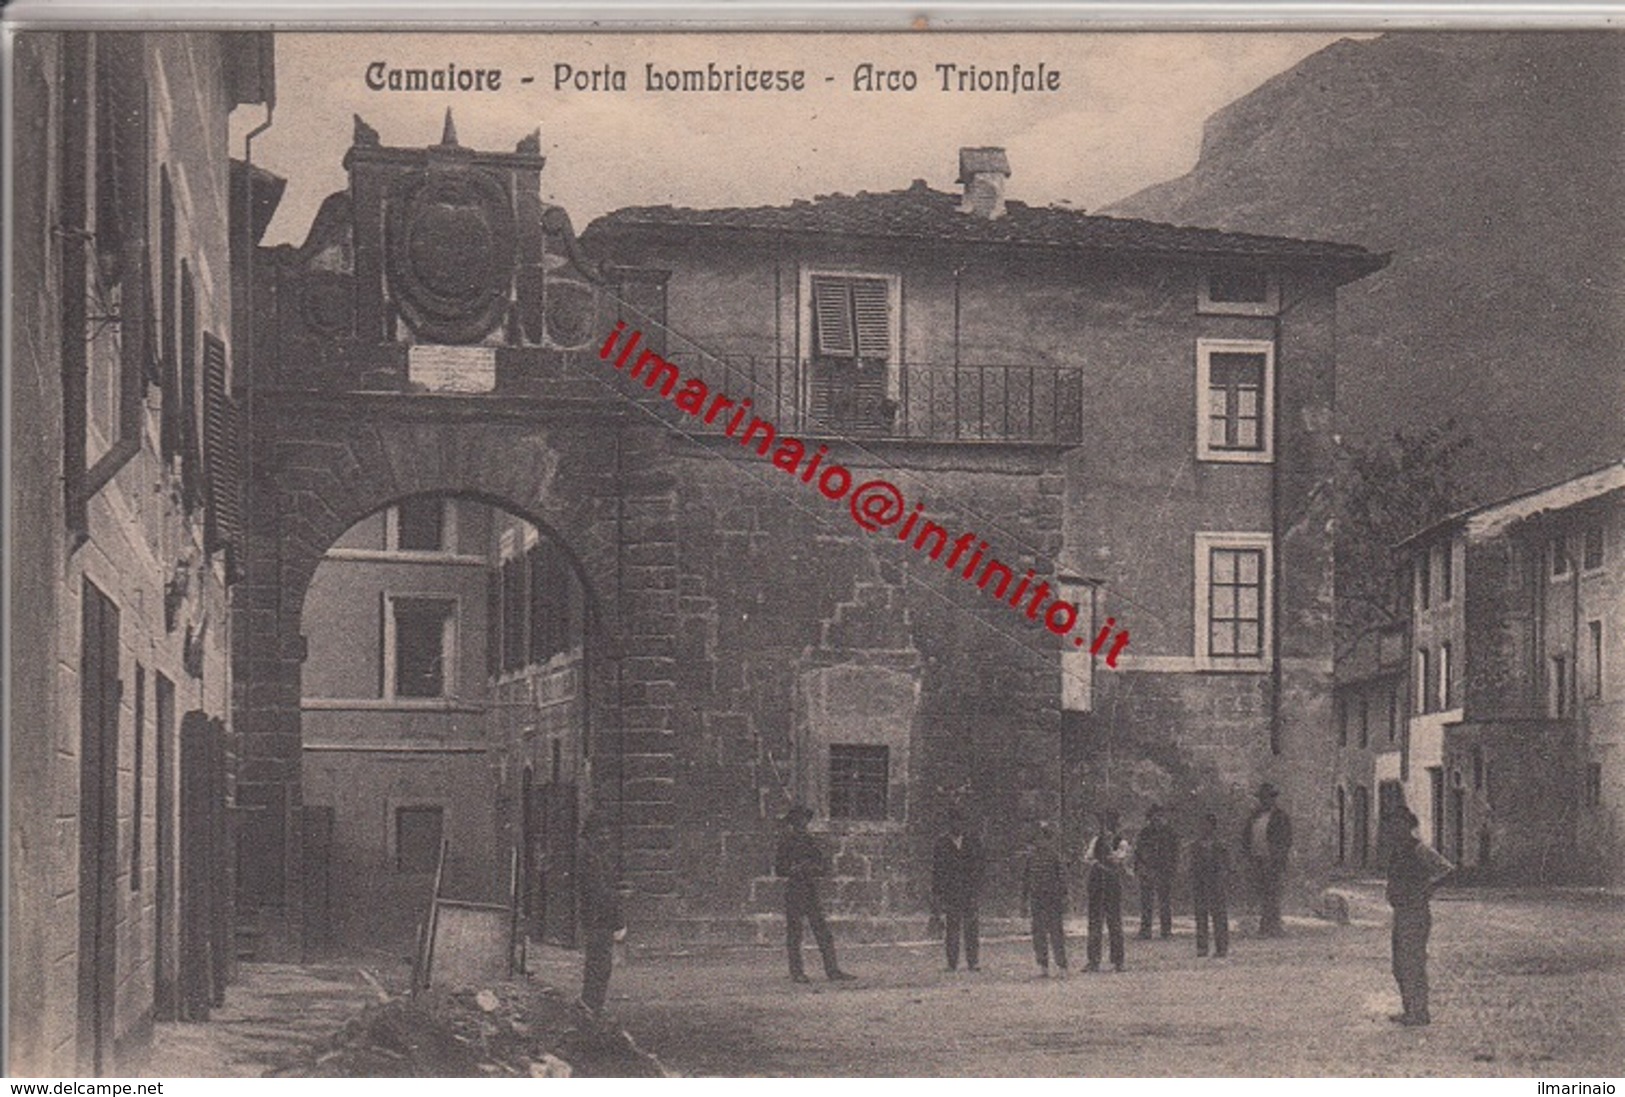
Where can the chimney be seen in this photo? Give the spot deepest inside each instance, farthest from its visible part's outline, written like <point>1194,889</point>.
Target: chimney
<point>983,172</point>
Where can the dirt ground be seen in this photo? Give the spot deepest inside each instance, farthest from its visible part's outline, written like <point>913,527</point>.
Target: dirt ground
<point>1522,985</point>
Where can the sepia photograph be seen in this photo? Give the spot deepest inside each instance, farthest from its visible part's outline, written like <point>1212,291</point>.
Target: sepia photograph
<point>654,553</point>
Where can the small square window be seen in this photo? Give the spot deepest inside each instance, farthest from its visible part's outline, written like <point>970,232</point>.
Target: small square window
<point>417,838</point>
<point>420,525</point>
<point>1591,554</point>
<point>859,777</point>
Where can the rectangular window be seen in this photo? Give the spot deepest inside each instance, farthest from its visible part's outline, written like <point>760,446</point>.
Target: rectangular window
<point>1594,630</point>
<point>1342,722</point>
<point>1593,789</point>
<point>1446,680</point>
<point>1591,553</point>
<point>1424,679</point>
<point>1393,714</point>
<point>1424,581</point>
<point>1447,576</point>
<point>859,777</point>
<point>1559,551</point>
<point>1243,291</point>
<point>549,603</point>
<point>514,635</point>
<point>1560,685</point>
<point>423,639</point>
<point>1365,723</point>
<point>1235,379</point>
<point>852,343</point>
<point>417,838</point>
<point>1235,402</point>
<point>1235,602</point>
<point>1232,599</point>
<point>420,525</point>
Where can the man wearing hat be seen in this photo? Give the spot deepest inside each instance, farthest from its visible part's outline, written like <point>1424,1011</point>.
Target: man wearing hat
<point>1414,870</point>
<point>1266,841</point>
<point>800,861</point>
<point>957,865</point>
<point>1156,856</point>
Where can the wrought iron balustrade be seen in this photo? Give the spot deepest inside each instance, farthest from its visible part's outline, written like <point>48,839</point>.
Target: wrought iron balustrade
<point>1031,403</point>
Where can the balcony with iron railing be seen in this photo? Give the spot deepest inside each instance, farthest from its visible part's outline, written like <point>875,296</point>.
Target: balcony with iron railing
<point>1022,404</point>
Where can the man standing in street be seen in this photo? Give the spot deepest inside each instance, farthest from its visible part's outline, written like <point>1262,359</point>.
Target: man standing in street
<point>800,862</point>
<point>1156,856</point>
<point>602,920</point>
<point>1210,875</point>
<point>1266,841</point>
<point>956,877</point>
<point>1043,893</point>
<point>1414,870</point>
<point>1108,860</point>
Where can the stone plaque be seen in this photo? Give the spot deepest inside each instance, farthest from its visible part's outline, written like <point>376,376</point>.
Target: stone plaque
<point>453,369</point>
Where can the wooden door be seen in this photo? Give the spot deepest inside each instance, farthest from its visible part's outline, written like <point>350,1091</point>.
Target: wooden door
<point>558,863</point>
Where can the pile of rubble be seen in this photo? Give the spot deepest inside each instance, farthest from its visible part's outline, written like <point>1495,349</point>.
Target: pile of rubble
<point>510,1029</point>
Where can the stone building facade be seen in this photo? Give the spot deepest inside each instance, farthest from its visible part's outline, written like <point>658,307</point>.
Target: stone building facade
<point>123,534</point>
<point>1513,756</point>
<point>1138,412</point>
<point>1143,410</point>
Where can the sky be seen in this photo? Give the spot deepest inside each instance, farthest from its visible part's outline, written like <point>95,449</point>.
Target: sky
<point>1128,112</point>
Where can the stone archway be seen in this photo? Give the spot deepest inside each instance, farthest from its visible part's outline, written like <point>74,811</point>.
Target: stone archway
<point>324,462</point>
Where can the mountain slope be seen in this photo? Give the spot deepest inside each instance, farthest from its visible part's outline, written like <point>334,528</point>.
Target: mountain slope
<point>1493,167</point>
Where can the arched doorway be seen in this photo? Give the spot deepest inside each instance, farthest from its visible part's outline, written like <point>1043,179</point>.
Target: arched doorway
<point>446,659</point>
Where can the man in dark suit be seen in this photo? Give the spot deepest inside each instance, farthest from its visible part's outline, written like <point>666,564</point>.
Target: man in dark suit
<point>1210,875</point>
<point>1414,870</point>
<point>800,861</point>
<point>957,864</point>
<point>1156,856</point>
<point>1266,841</point>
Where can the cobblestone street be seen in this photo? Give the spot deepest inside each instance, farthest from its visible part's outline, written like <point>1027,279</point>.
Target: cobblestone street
<point>1522,985</point>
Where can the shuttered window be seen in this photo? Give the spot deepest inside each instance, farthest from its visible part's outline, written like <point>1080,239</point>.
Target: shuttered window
<point>191,457</point>
<point>222,460</point>
<point>851,317</point>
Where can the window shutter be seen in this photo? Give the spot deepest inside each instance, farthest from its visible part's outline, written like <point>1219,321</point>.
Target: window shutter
<point>871,310</point>
<point>221,460</point>
<point>832,317</point>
